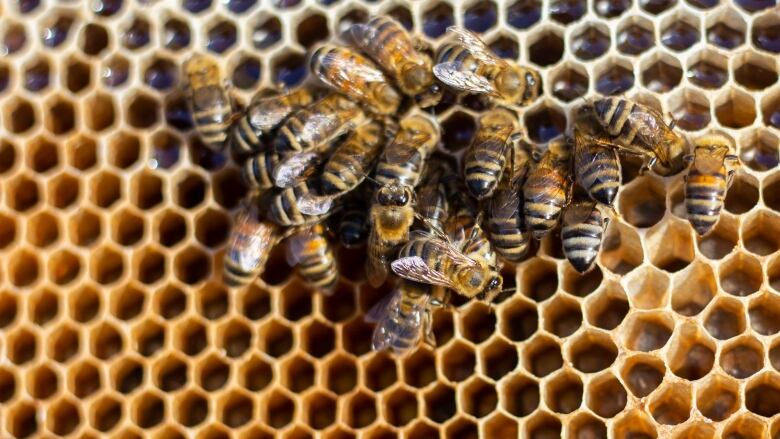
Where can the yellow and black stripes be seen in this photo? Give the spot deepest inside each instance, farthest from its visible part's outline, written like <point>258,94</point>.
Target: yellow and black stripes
<point>704,195</point>
<point>581,239</point>
<point>597,170</point>
<point>317,124</point>
<point>316,263</point>
<point>282,205</point>
<point>211,114</point>
<point>545,194</point>
<point>258,171</point>
<point>505,224</point>
<point>352,160</point>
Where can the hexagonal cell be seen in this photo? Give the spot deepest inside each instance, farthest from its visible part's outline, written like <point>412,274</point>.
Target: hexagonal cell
<point>213,372</point>
<point>23,269</point>
<point>539,280</point>
<point>755,71</point>
<point>400,407</point>
<point>81,152</point>
<point>84,304</point>
<point>37,75</point>
<point>255,374</point>
<point>192,266</point>
<point>115,71</point>
<point>63,417</point>
<point>235,409</point>
<point>106,265</point>
<point>246,73</point>
<point>718,397</point>
<point>591,42</point>
<point>192,408</point>
<point>745,425</point>
<point>43,229</point>
<point>518,319</point>
<point>582,284</point>
<point>741,275</point>
<point>63,191</point>
<point>606,395</point>
<point>340,374</point>
<point>661,73</point>
<point>22,193</point>
<point>149,265</point>
<point>546,49</point>
<point>759,150</point>
<point>318,338</point>
<point>14,38</point>
<point>142,111</point>
<point>84,379</point>
<point>127,227</point>
<point>722,240</point>
<point>691,354</point>
<point>20,115</point>
<point>542,425</point>
<point>592,351</point>
<point>94,39</point>
<point>478,322</point>
<point>298,374</point>
<point>105,189</point>
<point>648,331</point>
<point>762,395</point>
<point>542,356</point>
<point>564,11</point>
<point>136,33</point>
<point>742,357</point>
<point>105,413</point>
<point>461,427</point>
<point>735,109</point>
<point>643,201</point>
<point>458,130</point>
<point>621,248</point>
<point>190,337</point>
<point>563,392</point>
<point>562,316</point>
<point>693,288</point>
<point>356,336</point>
<point>681,32</point>
<point>756,236</point>
<point>8,309</point>
<point>361,409</point>
<point>170,373</point>
<point>148,410</point>
<point>520,396</point>
<point>726,29</point>
<point>611,8</point>
<point>505,47</point>
<point>614,76</point>
<point>161,74</point>
<point>266,33</point>
<point>764,33</point>
<point>569,82</point>
<point>42,382</point>
<point>43,306</point>
<point>497,359</point>
<point>289,69</point>
<point>148,337</point>
<point>764,317</point>
<point>671,404</point>
<point>436,19</point>
<point>105,341</point>
<point>99,112</point>
<point>59,118</point>
<point>635,35</point>
<point>647,288</point>
<point>276,338</point>
<point>221,36</point>
<point>127,375</point>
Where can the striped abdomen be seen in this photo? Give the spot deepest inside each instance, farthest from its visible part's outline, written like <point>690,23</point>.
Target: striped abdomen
<point>318,124</point>
<point>597,170</point>
<point>258,170</point>
<point>406,173</point>
<point>282,206</point>
<point>245,138</point>
<point>704,195</point>
<point>211,113</point>
<point>505,225</point>
<point>545,196</point>
<point>352,160</point>
<point>429,251</point>
<point>621,119</point>
<point>432,204</point>
<point>353,226</point>
<point>460,56</point>
<point>484,164</point>
<point>403,318</point>
<point>582,240</point>
<point>248,248</point>
<point>316,264</point>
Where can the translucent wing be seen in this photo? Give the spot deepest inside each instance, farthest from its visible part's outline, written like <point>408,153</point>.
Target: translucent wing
<point>296,168</point>
<point>506,202</point>
<point>450,74</point>
<point>476,47</point>
<point>397,329</point>
<point>362,34</point>
<point>376,270</point>
<point>311,204</point>
<point>648,125</point>
<point>297,245</point>
<point>349,71</point>
<point>397,152</point>
<point>378,311</point>
<point>250,241</point>
<point>579,212</point>
<point>414,268</point>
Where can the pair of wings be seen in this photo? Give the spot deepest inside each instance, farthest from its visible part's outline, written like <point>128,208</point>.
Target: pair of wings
<point>345,74</point>
<point>454,76</point>
<point>397,330</point>
<point>250,240</point>
<point>416,269</point>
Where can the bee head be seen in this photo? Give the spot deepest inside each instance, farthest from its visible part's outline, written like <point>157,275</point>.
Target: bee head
<point>533,86</point>
<point>200,70</point>
<point>492,289</point>
<point>394,195</point>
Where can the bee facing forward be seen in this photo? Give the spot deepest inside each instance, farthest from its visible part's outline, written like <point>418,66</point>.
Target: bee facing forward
<point>707,181</point>
<point>390,45</point>
<point>581,233</point>
<point>208,99</point>
<point>264,114</point>
<point>391,217</point>
<point>347,72</point>
<point>546,191</point>
<point>248,247</point>
<point>316,125</point>
<point>486,156</point>
<point>596,167</point>
<point>641,130</point>
<point>467,64</point>
<point>312,254</point>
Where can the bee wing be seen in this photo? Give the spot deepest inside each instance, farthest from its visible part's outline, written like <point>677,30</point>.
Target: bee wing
<point>351,71</point>
<point>294,169</point>
<point>296,245</point>
<point>311,204</point>
<point>396,329</point>
<point>577,213</point>
<point>397,153</point>
<point>376,270</point>
<point>450,74</point>
<point>506,202</point>
<point>250,240</point>
<point>414,268</point>
<point>362,34</point>
<point>647,125</point>
<point>476,47</point>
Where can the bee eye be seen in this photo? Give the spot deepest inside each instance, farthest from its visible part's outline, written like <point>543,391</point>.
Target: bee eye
<point>494,283</point>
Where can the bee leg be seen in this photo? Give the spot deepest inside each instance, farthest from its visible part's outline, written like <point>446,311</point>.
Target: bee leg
<point>673,122</point>
<point>730,178</point>
<point>428,337</point>
<point>648,165</point>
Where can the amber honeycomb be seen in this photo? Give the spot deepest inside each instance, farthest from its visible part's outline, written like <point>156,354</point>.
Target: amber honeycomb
<point>113,220</point>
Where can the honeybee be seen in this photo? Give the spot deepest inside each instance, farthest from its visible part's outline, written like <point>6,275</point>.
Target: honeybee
<point>357,77</point>
<point>404,317</point>
<point>432,205</point>
<point>249,245</point>
<point>467,64</point>
<point>296,167</point>
<point>208,100</point>
<point>405,156</point>
<point>546,190</point>
<point>282,206</point>
<point>641,130</point>
<point>708,180</point>
<point>486,156</point>
<point>506,225</point>
<point>258,171</point>
<point>581,233</point>
<point>391,217</point>
<point>353,224</point>
<point>264,114</point>
<point>435,261</point>
<point>318,124</point>
<point>596,167</point>
<point>347,167</point>
<point>387,42</point>
<point>312,254</point>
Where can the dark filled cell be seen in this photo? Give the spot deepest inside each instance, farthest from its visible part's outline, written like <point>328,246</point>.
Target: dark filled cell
<point>106,8</point>
<point>611,8</point>
<point>14,39</point>
<point>221,37</point>
<point>267,33</point>
<point>704,4</point>
<point>569,85</point>
<point>176,34</point>
<point>707,75</point>
<point>137,35</point>
<point>57,32</point>
<point>657,6</point>
<point>590,44</point>
<point>755,5</point>
<point>724,36</point>
<point>614,81</point>
<point>116,72</point>
<point>767,37</point>
<point>36,77</point>
<point>291,70</point>
<point>635,39</point>
<point>196,6</point>
<point>524,13</point>
<point>679,36</point>
<point>505,48</point>
<point>437,20</point>
<point>27,6</point>
<point>161,74</point>
<point>481,17</point>
<point>177,114</point>
<point>239,6</point>
<point>247,73</point>
<point>567,11</point>
<point>5,77</point>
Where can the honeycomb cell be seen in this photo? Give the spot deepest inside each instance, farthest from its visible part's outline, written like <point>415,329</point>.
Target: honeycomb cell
<point>647,288</point>
<point>105,341</point>
<point>461,427</point>
<point>246,74</point>
<point>255,374</point>
<point>37,75</point>
<point>56,28</point>
<point>136,33</point>
<point>192,265</point>
<point>505,47</point>
<point>235,409</point>
<point>191,408</point>
<point>547,49</point>
<point>569,82</point>
<point>8,309</point>
<point>478,323</point>
<point>671,404</point>
<point>105,413</point>
<point>289,69</point>
<point>84,304</point>
<point>311,30</point>
<point>221,36</point>
<point>591,42</point>
<point>614,77</point>
<point>7,156</point>
<point>759,151</point>
<point>170,373</point>
<point>63,191</point>
<point>213,372</point>
<point>63,417</point>
<point>745,425</point>
<point>400,405</point>
<point>643,202</point>
<point>592,351</point>
<point>635,36</point>
<point>606,395</point>
<point>44,306</point>
<point>763,316</point>
<point>499,425</point>
<point>656,6</point>
<point>176,34</point>
<point>728,31</point>
<point>718,397</point>
<point>693,288</point>
<point>762,395</point>
<point>266,33</point>
<point>63,344</point>
<point>742,357</point>
<point>755,71</point>
<point>681,32</point>
<point>78,75</point>
<point>708,70</point>
<point>661,73</point>
<point>190,337</point>
<point>22,420</point>
<point>14,38</point>
<point>611,8</point>
<point>562,316</point>
<point>691,354</point>
<point>648,331</point>
<point>276,338</point>
<point>735,109</point>
<point>741,275</point>
<point>148,337</point>
<point>42,382</point>
<point>563,11</point>
<point>518,320</point>
<point>19,116</point>
<point>115,71</point>
<point>43,229</point>
<point>542,356</point>
<point>99,112</point>
<point>480,17</point>
<point>341,374</point>
<point>361,409</point>
<point>23,268</point>
<point>563,392</point>
<point>436,19</point>
<point>106,265</point>
<point>59,118</point>
<point>212,302</point>
<point>621,248</point>
<point>94,39</point>
<point>161,74</point>
<point>318,338</point>
<point>543,425</point>
<point>148,410</point>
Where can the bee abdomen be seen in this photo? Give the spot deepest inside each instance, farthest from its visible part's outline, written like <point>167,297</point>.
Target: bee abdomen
<point>258,170</point>
<point>352,228</point>
<point>541,217</point>
<point>704,197</point>
<point>508,238</point>
<point>283,207</point>
<point>236,276</point>
<point>601,178</point>
<point>212,124</point>
<point>482,175</point>
<point>339,174</point>
<point>318,268</point>
<point>581,243</point>
<point>245,139</point>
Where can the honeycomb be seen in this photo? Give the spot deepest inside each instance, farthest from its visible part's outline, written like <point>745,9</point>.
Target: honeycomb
<point>113,220</point>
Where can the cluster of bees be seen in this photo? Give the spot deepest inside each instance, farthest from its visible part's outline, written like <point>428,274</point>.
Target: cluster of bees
<point>362,154</point>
